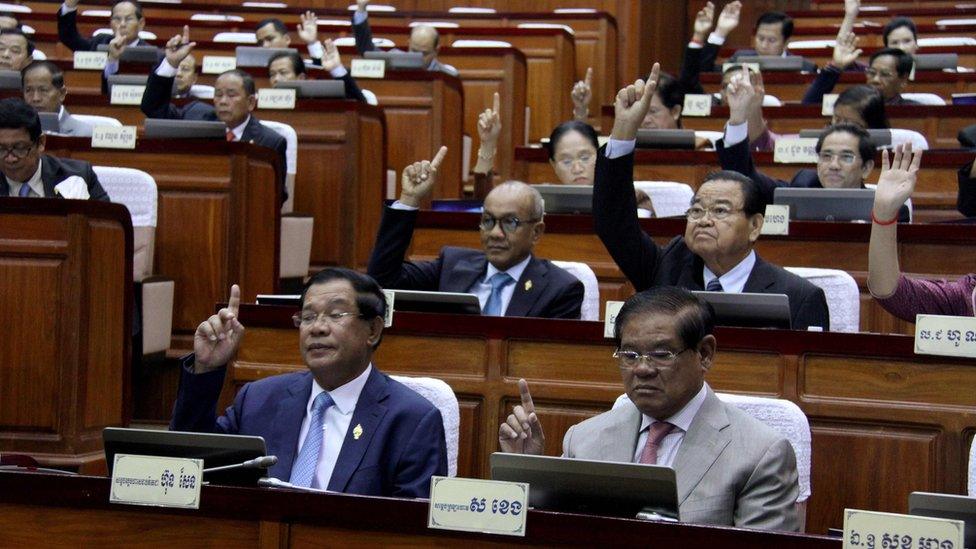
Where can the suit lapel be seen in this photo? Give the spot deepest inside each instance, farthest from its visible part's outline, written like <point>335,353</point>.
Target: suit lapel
<point>4,188</point>
<point>362,428</point>
<point>701,446</point>
<point>50,176</point>
<point>287,426</point>
<point>528,288</point>
<point>250,133</point>
<point>623,425</point>
<point>760,278</point>
<point>465,274</point>
<point>692,277</point>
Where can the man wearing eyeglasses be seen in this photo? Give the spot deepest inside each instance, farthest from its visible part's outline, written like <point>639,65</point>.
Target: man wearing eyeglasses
<point>724,221</point>
<point>27,172</point>
<point>730,468</point>
<point>887,72</point>
<point>341,425</point>
<point>506,277</point>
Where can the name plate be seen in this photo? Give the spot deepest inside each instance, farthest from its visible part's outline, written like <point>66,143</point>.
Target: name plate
<point>112,137</point>
<point>827,107</point>
<point>273,98</point>
<point>390,296</point>
<point>473,505</point>
<point>610,317</point>
<point>90,60</point>
<point>945,335</point>
<point>776,220</point>
<point>217,64</point>
<point>157,481</point>
<point>127,94</point>
<point>796,150</point>
<point>870,529</point>
<point>697,104</point>
<point>367,68</point>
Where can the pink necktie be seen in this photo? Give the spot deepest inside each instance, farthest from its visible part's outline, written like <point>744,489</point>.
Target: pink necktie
<point>230,135</point>
<point>655,433</point>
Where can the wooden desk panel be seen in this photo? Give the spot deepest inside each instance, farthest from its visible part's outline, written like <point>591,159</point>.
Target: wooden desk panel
<point>920,15</point>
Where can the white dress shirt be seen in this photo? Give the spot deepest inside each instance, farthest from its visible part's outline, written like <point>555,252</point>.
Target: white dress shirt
<point>734,281</point>
<point>35,183</point>
<point>668,447</point>
<point>334,425</point>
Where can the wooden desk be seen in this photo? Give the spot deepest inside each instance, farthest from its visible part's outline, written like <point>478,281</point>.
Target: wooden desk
<point>921,15</point>
<point>66,312</point>
<point>822,56</point>
<point>901,422</point>
<point>872,37</point>
<point>218,217</point>
<point>38,508</point>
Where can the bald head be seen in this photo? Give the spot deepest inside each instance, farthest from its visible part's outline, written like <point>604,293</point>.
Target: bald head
<point>424,40</point>
<point>511,223</point>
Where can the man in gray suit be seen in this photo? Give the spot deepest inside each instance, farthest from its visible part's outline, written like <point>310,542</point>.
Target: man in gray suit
<point>44,89</point>
<point>730,468</point>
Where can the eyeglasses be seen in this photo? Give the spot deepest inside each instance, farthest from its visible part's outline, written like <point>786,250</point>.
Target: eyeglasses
<point>871,73</point>
<point>309,318</point>
<point>509,224</point>
<point>661,359</point>
<point>19,150</point>
<point>125,20</point>
<point>719,212</point>
<point>567,162</point>
<point>845,158</point>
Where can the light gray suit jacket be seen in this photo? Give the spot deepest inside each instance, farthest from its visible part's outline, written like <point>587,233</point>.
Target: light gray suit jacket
<point>730,468</point>
<point>69,125</point>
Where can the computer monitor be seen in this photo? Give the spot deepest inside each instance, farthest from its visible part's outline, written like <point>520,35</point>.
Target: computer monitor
<point>9,80</point>
<point>49,122</point>
<point>814,204</point>
<point>126,80</point>
<point>936,61</point>
<point>286,300</point>
<point>947,506</point>
<point>214,449</point>
<point>136,54</point>
<point>789,63</point>
<point>592,487</point>
<point>315,88</point>
<point>666,139</point>
<point>880,138</point>
<point>184,129</point>
<point>256,56</point>
<point>436,302</point>
<point>566,198</point>
<point>749,310</point>
<point>399,60</point>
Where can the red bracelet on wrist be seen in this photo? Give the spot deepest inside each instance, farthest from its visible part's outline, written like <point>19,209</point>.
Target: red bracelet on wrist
<point>892,221</point>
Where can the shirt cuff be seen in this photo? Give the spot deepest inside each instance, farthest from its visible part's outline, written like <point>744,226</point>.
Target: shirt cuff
<point>401,206</point>
<point>65,9</point>
<point>735,134</point>
<point>620,147</point>
<point>716,39</point>
<point>359,17</point>
<point>315,50</point>
<point>111,67</point>
<point>166,70</point>
<point>695,45</point>
<point>338,72</point>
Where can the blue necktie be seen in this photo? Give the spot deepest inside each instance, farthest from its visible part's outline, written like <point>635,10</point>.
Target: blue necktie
<point>714,286</point>
<point>24,190</point>
<point>303,470</point>
<point>498,282</point>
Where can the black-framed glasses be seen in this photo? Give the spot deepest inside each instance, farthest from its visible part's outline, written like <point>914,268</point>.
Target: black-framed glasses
<point>309,318</point>
<point>509,224</point>
<point>19,150</point>
<point>661,359</point>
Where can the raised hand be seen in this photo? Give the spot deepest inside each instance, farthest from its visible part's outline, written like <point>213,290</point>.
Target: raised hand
<point>728,20</point>
<point>116,46</point>
<point>489,125</point>
<point>852,7</point>
<point>418,179</point>
<point>897,180</point>
<point>308,29</point>
<point>179,47</point>
<point>703,22</point>
<point>72,4</point>
<point>846,50</point>
<point>632,104</point>
<point>741,96</point>
<point>522,432</point>
<point>217,338</point>
<point>331,59</point>
<point>582,94</point>
<point>361,5</point>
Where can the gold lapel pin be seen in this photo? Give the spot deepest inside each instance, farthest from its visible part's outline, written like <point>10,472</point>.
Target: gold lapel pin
<point>528,285</point>
<point>357,431</point>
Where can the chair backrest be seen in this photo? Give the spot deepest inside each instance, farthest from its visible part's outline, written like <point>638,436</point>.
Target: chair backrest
<point>202,91</point>
<point>566,28</point>
<point>98,120</point>
<point>481,44</point>
<point>15,8</point>
<point>946,41</point>
<point>972,468</point>
<point>236,37</point>
<point>668,197</point>
<point>435,24</point>
<point>136,190</point>
<point>371,98</point>
<point>351,41</point>
<point>843,297</point>
<point>97,13</point>
<point>810,44</point>
<point>951,22</point>
<point>144,34</point>
<point>771,101</point>
<point>591,288</point>
<point>470,9</point>
<point>276,5</point>
<point>924,98</point>
<point>711,135</point>
<point>442,396</point>
<point>216,17</point>
<point>901,136</point>
<point>38,55</point>
<point>373,7</point>
<point>291,158</point>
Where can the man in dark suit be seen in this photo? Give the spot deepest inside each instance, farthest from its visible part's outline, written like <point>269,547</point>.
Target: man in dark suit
<point>724,221</point>
<point>966,202</point>
<point>235,96</point>
<point>424,39</point>
<point>506,277</point>
<point>286,66</point>
<point>127,21</point>
<point>16,49</point>
<point>27,172</point>
<point>343,425</point>
<point>888,72</point>
<point>770,36</point>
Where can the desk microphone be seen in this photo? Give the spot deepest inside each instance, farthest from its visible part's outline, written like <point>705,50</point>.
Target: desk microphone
<point>274,483</point>
<point>262,462</point>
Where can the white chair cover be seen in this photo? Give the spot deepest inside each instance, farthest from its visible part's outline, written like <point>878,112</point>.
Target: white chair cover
<point>202,91</point>
<point>470,9</point>
<point>97,13</point>
<point>38,55</point>
<point>435,24</point>
<point>135,189</point>
<point>334,23</point>
<point>291,158</point>
<point>668,197</point>
<point>442,396</point>
<point>771,101</point>
<point>481,44</point>
<point>216,17</point>
<point>566,28</point>
<point>951,22</point>
<point>925,98</point>
<point>273,5</point>
<point>351,41</point>
<point>236,37</point>
<point>900,136</point>
<point>947,41</point>
<point>591,288</point>
<point>711,135</point>
<point>370,97</point>
<point>810,44</point>
<point>843,297</point>
<point>574,10</point>
<point>29,30</point>
<point>15,8</point>
<point>97,120</point>
<point>145,35</point>
<point>972,468</point>
<point>374,7</point>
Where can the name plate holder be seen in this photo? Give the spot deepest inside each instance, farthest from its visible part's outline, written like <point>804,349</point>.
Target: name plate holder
<point>474,505</point>
<point>390,297</point>
<point>795,150</point>
<point>113,137</point>
<point>156,481</point>
<point>871,529</point>
<point>610,317</point>
<point>697,104</point>
<point>90,60</point>
<point>127,94</point>
<point>217,64</point>
<point>274,98</point>
<point>945,335</point>
<point>776,220</point>
<point>827,107</point>
<point>367,68</point>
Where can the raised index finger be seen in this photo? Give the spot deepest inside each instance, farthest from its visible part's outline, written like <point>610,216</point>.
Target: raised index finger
<point>527,404</point>
<point>651,85</point>
<point>589,76</point>
<point>496,102</point>
<point>438,158</point>
<point>234,303</point>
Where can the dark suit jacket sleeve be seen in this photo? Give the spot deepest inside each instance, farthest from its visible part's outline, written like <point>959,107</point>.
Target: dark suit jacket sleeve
<point>709,54</point>
<point>95,190</point>
<point>967,192</point>
<point>157,99</point>
<point>615,220</point>
<point>738,158</point>
<point>364,37</point>
<point>812,311</point>
<point>281,147</point>
<point>386,263</point>
<point>691,70</point>
<point>352,88</point>
<point>68,33</point>
<point>824,83</point>
<point>424,457</point>
<point>196,402</point>
<point>567,304</point>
